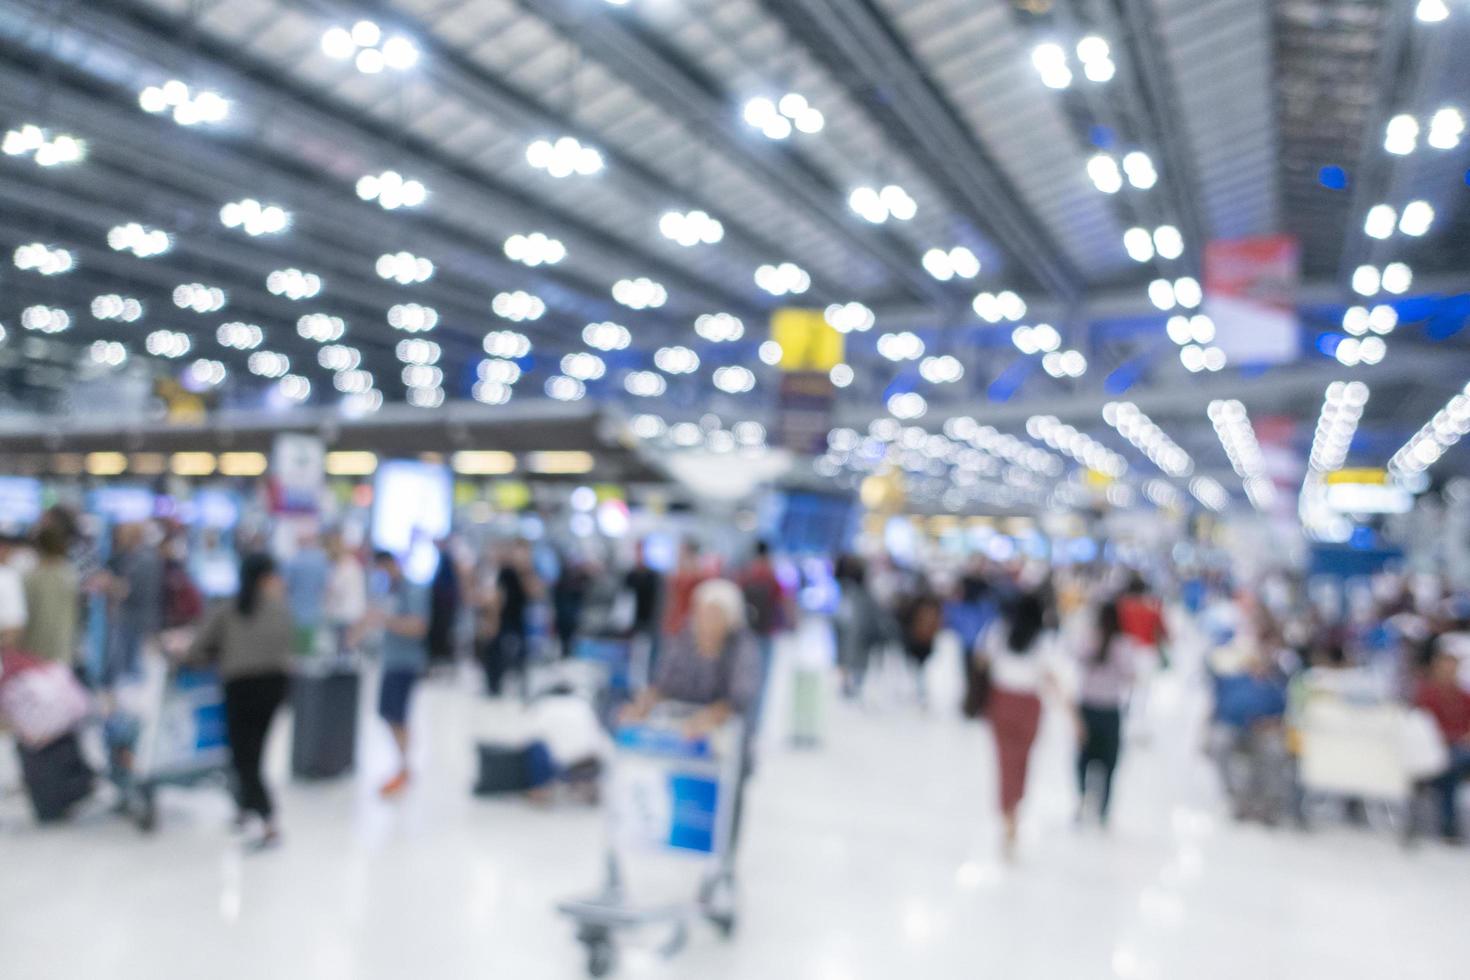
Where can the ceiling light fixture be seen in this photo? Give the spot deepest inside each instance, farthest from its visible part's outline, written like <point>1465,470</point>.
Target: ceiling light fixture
<point>564,158</point>
<point>777,119</point>
<point>368,49</point>
<point>44,149</point>
<point>404,268</point>
<point>254,218</point>
<point>143,242</point>
<point>783,279</point>
<point>691,228</point>
<point>391,191</point>
<point>534,249</point>
<point>188,108</point>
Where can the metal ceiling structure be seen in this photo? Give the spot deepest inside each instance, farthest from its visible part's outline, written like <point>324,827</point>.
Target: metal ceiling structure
<point>1239,105</point>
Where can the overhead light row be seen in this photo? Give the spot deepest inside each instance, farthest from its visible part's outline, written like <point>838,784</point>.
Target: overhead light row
<point>254,218</point>
<point>944,369</point>
<point>1448,426</point>
<point>1337,424</point>
<point>691,228</point>
<point>321,327</point>
<point>1233,427</point>
<point>498,370</point>
<point>907,405</point>
<point>412,317</point>
<point>200,298</point>
<point>1184,291</point>
<point>507,344</point>
<point>995,307</point>
<point>781,280</point>
<point>108,353</point>
<point>1064,364</point>
<point>293,284</point>
<point>1051,62</point>
<point>45,319</point>
<point>167,343</point>
<point>640,294</point>
<point>1135,426</point>
<point>404,268</point>
<point>734,379</point>
<point>534,249</point>
<point>1369,280</point>
<point>1078,445</point>
<point>518,306</point>
<point>1207,490</point>
<point>876,206</point>
<point>564,158</point>
<point>850,317</point>
<point>904,345</point>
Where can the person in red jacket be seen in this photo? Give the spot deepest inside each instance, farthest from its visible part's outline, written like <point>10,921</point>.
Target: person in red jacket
<point>1441,695</point>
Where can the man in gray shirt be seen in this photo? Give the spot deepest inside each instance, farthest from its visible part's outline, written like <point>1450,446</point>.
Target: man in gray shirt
<point>401,611</point>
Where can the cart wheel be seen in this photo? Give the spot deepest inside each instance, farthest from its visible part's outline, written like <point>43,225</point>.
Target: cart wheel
<point>602,957</point>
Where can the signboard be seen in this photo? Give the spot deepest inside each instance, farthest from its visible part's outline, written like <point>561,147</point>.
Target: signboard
<point>808,342</point>
<point>297,474</point>
<point>804,411</point>
<point>20,502</point>
<point>412,505</point>
<point>1250,293</point>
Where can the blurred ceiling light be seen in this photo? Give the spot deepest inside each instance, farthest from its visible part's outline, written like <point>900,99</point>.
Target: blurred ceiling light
<point>143,242</point>
<point>1416,218</point>
<point>691,228</point>
<point>254,218</point>
<point>1402,135</point>
<point>404,268</point>
<point>560,462</point>
<point>639,294</point>
<point>47,260</point>
<point>780,280</point>
<point>476,462</point>
<point>1431,11</point>
<point>44,149</point>
<point>1445,128</point>
<point>45,319</point>
<point>189,108</point>
<point>242,464</point>
<point>564,158</point>
<point>293,284</point>
<point>391,191</point>
<point>876,206</point>
<point>719,327</point>
<point>534,249</point>
<point>958,261</point>
<point>518,306</point>
<point>607,336</point>
<point>111,306</point>
<point>320,327</point>
<point>1379,221</point>
<point>192,464</point>
<point>777,119</point>
<point>350,463</point>
<point>1050,61</point>
<point>369,49</point>
<point>106,463</point>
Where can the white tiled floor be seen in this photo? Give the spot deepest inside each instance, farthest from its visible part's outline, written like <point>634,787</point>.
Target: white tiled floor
<point>871,857</point>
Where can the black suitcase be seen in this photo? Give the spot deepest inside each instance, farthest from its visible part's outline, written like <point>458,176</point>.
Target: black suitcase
<point>324,741</point>
<point>56,777</point>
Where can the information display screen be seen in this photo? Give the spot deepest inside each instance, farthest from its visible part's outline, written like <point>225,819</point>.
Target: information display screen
<point>412,508</point>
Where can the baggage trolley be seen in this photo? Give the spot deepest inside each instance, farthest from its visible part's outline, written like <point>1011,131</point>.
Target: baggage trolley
<point>177,738</point>
<point>668,799</point>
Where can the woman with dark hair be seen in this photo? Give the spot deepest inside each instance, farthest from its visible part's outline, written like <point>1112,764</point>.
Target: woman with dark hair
<point>1014,653</point>
<point>1106,678</point>
<point>249,643</point>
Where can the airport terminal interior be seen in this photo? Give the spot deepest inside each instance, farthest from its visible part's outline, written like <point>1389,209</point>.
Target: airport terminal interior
<point>814,489</point>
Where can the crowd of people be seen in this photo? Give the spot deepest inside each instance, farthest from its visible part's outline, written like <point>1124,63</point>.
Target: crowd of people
<point>1085,639</point>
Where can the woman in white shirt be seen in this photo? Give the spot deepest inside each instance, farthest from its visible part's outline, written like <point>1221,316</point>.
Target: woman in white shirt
<point>1015,656</point>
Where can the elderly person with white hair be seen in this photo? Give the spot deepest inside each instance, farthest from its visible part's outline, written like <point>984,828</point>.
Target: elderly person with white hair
<point>712,663</point>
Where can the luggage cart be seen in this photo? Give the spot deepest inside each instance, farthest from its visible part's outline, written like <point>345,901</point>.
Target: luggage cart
<point>669,799</point>
<point>176,738</point>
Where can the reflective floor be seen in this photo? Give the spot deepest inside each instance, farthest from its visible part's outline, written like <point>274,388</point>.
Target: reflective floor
<point>874,856</point>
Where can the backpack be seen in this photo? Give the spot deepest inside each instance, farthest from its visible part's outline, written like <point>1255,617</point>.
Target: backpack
<point>763,605</point>
<point>183,604</point>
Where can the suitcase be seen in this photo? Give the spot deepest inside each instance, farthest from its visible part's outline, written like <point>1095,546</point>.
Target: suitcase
<point>324,740</point>
<point>806,708</point>
<point>56,777</point>
<point>513,769</point>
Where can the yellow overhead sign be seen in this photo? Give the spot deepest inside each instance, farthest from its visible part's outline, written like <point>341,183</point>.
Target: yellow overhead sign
<point>808,342</point>
<point>1368,475</point>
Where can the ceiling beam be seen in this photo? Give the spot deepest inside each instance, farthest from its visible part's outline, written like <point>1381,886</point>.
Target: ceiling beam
<point>859,46</point>
<point>688,94</point>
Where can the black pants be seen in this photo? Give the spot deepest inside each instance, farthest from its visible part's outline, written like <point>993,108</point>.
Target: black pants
<point>250,704</point>
<point>503,652</point>
<point>1103,736</point>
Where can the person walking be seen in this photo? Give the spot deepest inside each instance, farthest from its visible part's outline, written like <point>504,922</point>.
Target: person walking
<point>688,573</point>
<point>1016,654</point>
<point>249,643</point>
<point>135,572</point>
<point>444,605</point>
<point>401,612</point>
<point>1106,679</point>
<point>768,610</point>
<point>51,600</point>
<point>515,583</point>
<point>857,624</point>
<point>345,602</point>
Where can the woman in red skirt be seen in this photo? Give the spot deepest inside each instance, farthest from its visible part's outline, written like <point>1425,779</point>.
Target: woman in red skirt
<point>1012,652</point>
